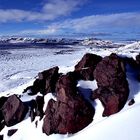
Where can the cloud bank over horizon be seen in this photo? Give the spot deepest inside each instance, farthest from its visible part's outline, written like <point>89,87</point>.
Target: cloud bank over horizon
<point>90,24</point>
<point>59,17</point>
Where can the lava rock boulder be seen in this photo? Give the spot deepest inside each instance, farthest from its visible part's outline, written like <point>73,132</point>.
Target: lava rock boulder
<point>86,66</point>
<point>113,90</point>
<point>13,110</point>
<point>71,112</point>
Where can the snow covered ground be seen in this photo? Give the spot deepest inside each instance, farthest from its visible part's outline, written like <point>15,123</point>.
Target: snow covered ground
<point>19,67</point>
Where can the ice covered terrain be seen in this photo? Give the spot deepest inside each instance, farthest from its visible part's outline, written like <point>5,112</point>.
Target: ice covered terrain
<point>19,67</point>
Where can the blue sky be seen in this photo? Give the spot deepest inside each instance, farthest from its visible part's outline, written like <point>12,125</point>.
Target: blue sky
<point>66,17</point>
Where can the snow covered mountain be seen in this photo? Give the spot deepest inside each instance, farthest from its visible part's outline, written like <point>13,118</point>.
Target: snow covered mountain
<point>120,126</point>
<point>61,41</point>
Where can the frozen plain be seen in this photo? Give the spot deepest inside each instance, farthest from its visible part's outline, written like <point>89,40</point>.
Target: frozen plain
<point>19,67</point>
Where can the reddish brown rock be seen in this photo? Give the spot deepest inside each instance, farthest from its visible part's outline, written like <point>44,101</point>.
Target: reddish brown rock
<point>113,88</point>
<point>66,88</point>
<point>109,100</point>
<point>13,110</point>
<point>110,72</point>
<point>50,77</point>
<point>71,112</point>
<point>86,66</point>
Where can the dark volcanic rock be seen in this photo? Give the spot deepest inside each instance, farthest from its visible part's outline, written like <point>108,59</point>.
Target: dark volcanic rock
<point>2,101</point>
<point>50,77</point>
<point>113,88</point>
<point>40,104</point>
<point>36,107</point>
<point>1,137</point>
<point>71,112</point>
<point>138,63</point>
<point>138,60</point>
<point>2,124</point>
<point>86,66</point>
<point>32,115</point>
<point>131,62</point>
<point>131,102</point>
<point>31,104</point>
<point>11,132</point>
<point>45,83</point>
<point>13,110</point>
<point>134,65</point>
<point>86,73</point>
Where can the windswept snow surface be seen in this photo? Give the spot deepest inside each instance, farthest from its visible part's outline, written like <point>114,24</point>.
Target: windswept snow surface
<point>19,67</point>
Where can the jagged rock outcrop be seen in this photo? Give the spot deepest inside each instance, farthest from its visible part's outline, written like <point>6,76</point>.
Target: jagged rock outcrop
<point>113,88</point>
<point>13,110</point>
<point>86,66</point>
<point>45,83</point>
<point>71,112</point>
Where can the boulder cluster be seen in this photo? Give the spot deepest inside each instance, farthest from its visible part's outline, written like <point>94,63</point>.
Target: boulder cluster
<point>71,112</point>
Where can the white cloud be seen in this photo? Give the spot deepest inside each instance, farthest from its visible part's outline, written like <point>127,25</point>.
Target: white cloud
<point>56,8</point>
<point>92,23</point>
<point>51,9</point>
<point>99,21</point>
<point>39,32</point>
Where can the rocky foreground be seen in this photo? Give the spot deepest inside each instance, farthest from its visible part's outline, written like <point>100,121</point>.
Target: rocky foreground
<point>71,112</point>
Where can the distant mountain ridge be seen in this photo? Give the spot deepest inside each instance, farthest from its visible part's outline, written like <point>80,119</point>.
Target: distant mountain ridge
<point>59,41</point>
